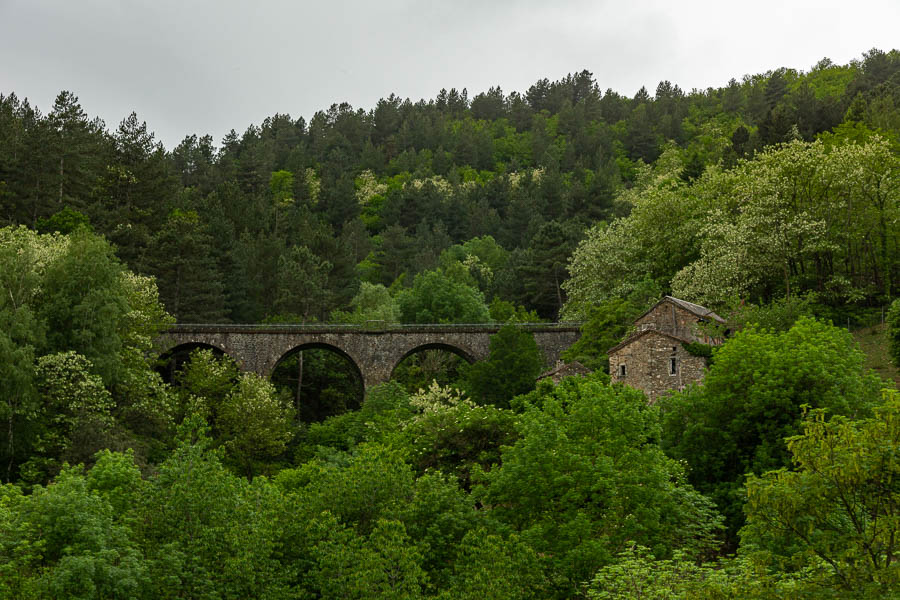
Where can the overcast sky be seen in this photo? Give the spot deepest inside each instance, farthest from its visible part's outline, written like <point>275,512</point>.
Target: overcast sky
<point>207,66</point>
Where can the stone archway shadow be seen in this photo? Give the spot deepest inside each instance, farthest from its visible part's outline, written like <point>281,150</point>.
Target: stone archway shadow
<point>317,394</point>
<point>174,358</point>
<point>433,365</point>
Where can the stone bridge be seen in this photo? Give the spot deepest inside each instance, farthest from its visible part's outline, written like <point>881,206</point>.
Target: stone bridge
<point>373,350</point>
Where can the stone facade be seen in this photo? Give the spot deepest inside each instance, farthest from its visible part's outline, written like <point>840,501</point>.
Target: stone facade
<point>655,363</point>
<point>679,318</point>
<point>653,359</point>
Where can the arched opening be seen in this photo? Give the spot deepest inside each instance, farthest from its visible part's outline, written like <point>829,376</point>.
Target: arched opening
<point>431,362</point>
<point>322,380</point>
<point>173,360</point>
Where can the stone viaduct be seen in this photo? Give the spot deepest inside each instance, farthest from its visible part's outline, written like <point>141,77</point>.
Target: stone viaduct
<point>374,350</point>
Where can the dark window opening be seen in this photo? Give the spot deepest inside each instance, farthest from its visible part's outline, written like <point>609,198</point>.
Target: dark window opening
<point>673,366</point>
<point>622,370</point>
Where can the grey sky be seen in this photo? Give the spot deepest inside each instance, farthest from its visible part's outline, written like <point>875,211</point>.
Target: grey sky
<point>204,66</point>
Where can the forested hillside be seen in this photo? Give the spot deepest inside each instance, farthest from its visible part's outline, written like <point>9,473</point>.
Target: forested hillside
<point>774,200</point>
<point>291,216</point>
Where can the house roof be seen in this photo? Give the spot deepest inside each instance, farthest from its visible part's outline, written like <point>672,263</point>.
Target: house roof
<point>641,334</point>
<point>700,311</point>
<point>565,370</point>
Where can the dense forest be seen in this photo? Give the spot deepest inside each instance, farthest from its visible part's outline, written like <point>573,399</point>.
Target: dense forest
<point>774,200</point>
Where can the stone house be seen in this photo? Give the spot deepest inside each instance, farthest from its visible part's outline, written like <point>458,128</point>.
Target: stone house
<point>653,358</point>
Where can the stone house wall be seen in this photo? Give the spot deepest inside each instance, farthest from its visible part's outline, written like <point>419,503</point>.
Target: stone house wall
<point>674,320</point>
<point>648,364</point>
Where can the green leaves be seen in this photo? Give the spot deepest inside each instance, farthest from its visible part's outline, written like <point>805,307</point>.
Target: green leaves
<point>511,368</point>
<point>753,397</point>
<point>82,302</point>
<point>437,298</point>
<point>62,541</point>
<point>250,419</point>
<point>793,219</point>
<point>76,330</point>
<point>385,565</point>
<point>491,567</point>
<point>586,477</point>
<point>838,511</point>
<point>893,331</point>
<point>255,422</point>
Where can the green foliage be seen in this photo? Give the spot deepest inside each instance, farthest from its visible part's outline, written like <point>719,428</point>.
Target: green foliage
<point>62,541</point>
<point>205,381</point>
<point>503,311</point>
<point>437,298</point>
<point>65,221</point>
<point>753,397</point>
<point>76,335</point>
<point>586,478</point>
<point>256,424</point>
<point>658,237</point>
<point>302,280</point>
<point>765,236</point>
<point>206,533</point>
<point>638,574</point>
<point>482,258</point>
<point>541,269</point>
<point>20,405</point>
<point>778,315</point>
<point>183,261</point>
<point>372,483</point>
<point>838,511</point>
<point>438,518</point>
<point>281,186</point>
<point>492,567</point>
<point>436,365</point>
<point>705,351</point>
<point>511,368</point>
<point>385,407</point>
<point>373,302</point>
<point>383,565</point>
<point>606,326</point>
<point>453,435</point>
<point>320,382</point>
<point>77,415</point>
<point>893,331</point>
<point>250,419</point>
<point>83,301</point>
<point>116,479</point>
<point>466,200</point>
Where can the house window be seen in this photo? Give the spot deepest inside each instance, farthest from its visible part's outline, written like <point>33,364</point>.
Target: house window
<point>622,370</point>
<point>673,366</point>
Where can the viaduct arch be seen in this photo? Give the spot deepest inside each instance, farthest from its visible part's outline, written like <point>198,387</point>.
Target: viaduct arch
<point>375,351</point>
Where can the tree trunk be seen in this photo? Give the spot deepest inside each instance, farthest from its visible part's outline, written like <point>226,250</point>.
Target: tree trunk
<point>299,380</point>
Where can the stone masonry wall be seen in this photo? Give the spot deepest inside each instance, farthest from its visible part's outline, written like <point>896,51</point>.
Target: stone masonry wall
<point>648,367</point>
<point>674,320</point>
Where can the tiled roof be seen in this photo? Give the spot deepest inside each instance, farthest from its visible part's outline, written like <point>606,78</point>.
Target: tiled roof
<point>700,311</point>
<point>566,369</point>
